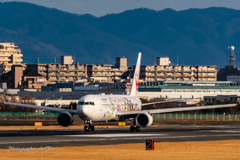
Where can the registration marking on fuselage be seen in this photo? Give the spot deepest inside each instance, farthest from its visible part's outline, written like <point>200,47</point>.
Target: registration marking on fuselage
<point>116,135</point>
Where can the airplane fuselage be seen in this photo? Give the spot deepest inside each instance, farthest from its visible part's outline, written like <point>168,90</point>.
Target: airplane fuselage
<point>105,107</point>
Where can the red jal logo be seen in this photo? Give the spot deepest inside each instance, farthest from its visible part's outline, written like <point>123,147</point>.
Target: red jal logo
<point>136,79</point>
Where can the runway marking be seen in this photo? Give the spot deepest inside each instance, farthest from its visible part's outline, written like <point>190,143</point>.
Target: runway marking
<point>228,131</point>
<point>79,140</point>
<point>208,126</point>
<point>220,135</point>
<point>115,135</point>
<point>52,141</point>
<point>113,139</point>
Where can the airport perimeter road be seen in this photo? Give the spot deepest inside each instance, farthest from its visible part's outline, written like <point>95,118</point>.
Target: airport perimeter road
<point>183,132</point>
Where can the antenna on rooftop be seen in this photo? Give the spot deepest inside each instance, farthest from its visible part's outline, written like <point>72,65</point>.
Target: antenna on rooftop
<point>231,56</point>
<point>37,61</point>
<point>177,59</point>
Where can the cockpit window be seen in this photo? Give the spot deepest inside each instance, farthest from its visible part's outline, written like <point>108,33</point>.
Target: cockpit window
<point>85,103</point>
<point>80,103</point>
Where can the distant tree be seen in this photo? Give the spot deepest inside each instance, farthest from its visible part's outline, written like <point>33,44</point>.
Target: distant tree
<point>14,99</point>
<point>156,106</point>
<point>232,110</point>
<point>73,105</point>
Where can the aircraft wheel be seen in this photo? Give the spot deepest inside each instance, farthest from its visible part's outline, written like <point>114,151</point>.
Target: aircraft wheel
<point>137,128</point>
<point>86,128</point>
<point>92,128</point>
<point>132,128</point>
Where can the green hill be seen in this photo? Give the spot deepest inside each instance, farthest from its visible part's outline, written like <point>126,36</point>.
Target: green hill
<point>196,36</point>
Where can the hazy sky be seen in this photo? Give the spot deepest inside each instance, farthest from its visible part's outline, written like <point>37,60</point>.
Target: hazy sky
<point>102,7</point>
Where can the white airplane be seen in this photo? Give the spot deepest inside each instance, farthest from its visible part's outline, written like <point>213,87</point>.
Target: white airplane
<point>105,108</point>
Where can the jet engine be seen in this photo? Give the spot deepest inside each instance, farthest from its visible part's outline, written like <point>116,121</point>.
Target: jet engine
<point>65,119</point>
<point>144,119</point>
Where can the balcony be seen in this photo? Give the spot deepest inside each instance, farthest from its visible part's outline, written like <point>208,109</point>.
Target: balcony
<point>5,55</point>
<point>207,76</point>
<point>52,74</point>
<point>117,74</point>
<point>207,71</point>
<point>187,75</point>
<point>5,60</point>
<point>175,70</point>
<point>150,75</point>
<point>170,75</point>
<point>187,70</point>
<point>80,69</point>
<point>212,71</point>
<point>42,69</point>
<point>169,70</point>
<point>177,75</point>
<point>160,74</point>
<point>100,70</point>
<point>149,71</point>
<point>18,60</point>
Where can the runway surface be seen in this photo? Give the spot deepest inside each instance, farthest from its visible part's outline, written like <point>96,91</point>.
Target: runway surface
<point>171,133</point>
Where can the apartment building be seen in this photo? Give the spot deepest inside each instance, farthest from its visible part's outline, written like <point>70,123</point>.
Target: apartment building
<point>163,71</point>
<point>9,56</point>
<point>33,80</point>
<point>152,73</point>
<point>108,73</point>
<point>66,60</point>
<point>23,79</point>
<point>61,72</point>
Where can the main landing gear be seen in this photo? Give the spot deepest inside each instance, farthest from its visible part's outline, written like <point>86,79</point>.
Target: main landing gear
<point>135,128</point>
<point>89,126</point>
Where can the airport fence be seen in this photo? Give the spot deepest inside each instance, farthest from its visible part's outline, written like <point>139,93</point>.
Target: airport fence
<point>195,116</point>
<point>29,115</point>
<point>167,116</point>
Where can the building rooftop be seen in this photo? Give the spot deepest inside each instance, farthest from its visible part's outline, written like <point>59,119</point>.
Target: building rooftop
<point>196,82</point>
<point>31,73</point>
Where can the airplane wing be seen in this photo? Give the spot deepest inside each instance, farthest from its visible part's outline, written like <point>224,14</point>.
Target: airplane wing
<point>146,104</point>
<point>168,110</point>
<point>41,107</point>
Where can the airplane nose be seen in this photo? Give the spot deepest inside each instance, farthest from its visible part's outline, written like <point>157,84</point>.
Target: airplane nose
<point>84,112</point>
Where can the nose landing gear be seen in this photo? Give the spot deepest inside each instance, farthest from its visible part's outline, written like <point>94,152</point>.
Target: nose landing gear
<point>89,126</point>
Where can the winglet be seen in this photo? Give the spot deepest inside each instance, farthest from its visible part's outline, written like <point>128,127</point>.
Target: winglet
<point>135,82</point>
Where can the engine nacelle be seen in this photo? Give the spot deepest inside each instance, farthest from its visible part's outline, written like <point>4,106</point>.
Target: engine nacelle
<point>144,119</point>
<point>65,119</point>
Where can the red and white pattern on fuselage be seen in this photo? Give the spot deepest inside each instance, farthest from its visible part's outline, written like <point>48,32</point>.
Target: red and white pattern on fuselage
<point>113,105</point>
